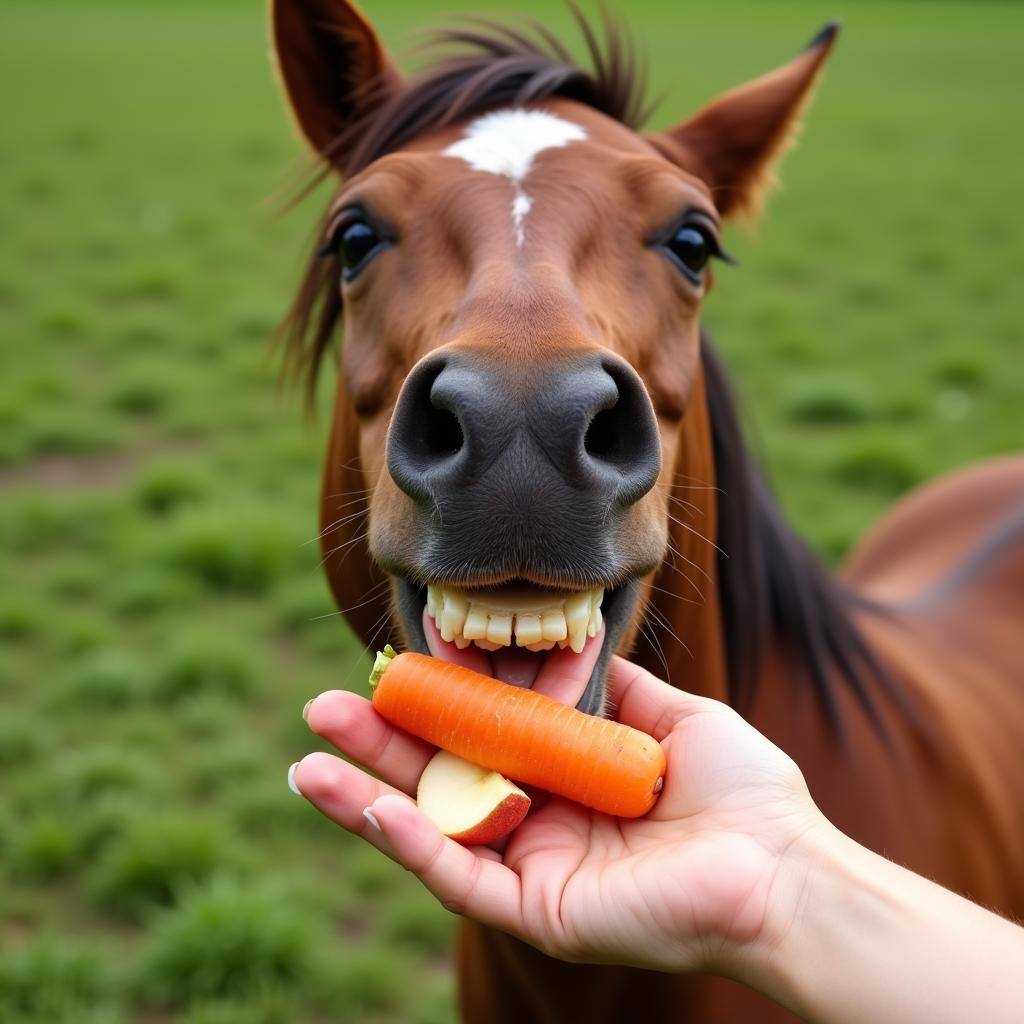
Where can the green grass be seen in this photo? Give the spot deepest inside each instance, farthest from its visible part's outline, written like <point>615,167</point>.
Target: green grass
<point>154,859</point>
<point>55,981</point>
<point>162,616</point>
<point>225,940</point>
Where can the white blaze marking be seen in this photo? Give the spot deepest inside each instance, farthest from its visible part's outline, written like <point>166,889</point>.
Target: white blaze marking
<point>506,141</point>
<point>520,208</point>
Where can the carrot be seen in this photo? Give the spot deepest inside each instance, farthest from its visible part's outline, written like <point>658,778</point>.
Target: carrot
<point>525,735</point>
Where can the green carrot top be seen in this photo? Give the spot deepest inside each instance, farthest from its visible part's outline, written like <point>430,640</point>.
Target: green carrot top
<point>380,664</point>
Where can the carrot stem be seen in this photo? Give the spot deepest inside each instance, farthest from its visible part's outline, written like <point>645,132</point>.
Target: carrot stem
<point>380,665</point>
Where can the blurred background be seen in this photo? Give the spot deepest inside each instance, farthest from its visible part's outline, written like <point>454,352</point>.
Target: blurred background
<point>162,614</point>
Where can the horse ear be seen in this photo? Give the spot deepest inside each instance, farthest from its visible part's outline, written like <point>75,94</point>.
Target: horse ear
<point>332,66</point>
<point>734,143</point>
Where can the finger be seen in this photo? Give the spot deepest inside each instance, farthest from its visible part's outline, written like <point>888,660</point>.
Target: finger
<point>351,724</point>
<point>341,791</point>
<point>565,674</point>
<point>464,881</point>
<point>649,704</point>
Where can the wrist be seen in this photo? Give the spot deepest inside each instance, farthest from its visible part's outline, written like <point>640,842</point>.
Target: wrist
<point>848,935</point>
<point>829,902</point>
<point>818,861</point>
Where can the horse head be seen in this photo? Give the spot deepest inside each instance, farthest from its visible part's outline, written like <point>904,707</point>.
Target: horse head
<point>521,444</point>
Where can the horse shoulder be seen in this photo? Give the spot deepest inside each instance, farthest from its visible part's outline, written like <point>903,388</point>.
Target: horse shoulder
<point>926,534</point>
<point>933,783</point>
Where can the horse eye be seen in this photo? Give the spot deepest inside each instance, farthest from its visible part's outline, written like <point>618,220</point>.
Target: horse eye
<point>692,248</point>
<point>356,243</point>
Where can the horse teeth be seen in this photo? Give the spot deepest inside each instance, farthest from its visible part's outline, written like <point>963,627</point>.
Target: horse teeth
<point>476,624</point>
<point>527,630</point>
<point>499,629</point>
<point>577,618</point>
<point>536,619</point>
<point>454,615</point>
<point>552,625</point>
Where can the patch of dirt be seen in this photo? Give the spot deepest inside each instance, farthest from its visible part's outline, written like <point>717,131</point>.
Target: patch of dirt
<point>69,473</point>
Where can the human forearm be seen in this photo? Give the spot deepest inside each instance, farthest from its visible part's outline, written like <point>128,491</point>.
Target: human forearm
<point>852,938</point>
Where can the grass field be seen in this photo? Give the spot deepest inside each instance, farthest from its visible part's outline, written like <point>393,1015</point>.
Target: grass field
<point>162,616</point>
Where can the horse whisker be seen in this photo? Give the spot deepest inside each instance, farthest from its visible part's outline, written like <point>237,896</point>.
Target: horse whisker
<point>647,631</point>
<point>679,597</point>
<point>341,547</point>
<point>368,597</point>
<point>663,622</point>
<point>696,533</point>
<point>687,504</point>
<point>673,550</point>
<point>336,525</point>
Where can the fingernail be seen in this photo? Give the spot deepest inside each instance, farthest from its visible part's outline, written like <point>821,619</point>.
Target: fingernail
<point>305,710</point>
<point>372,819</point>
<point>291,780</point>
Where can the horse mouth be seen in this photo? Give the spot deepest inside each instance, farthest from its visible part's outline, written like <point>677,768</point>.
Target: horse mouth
<point>511,631</point>
<point>533,618</point>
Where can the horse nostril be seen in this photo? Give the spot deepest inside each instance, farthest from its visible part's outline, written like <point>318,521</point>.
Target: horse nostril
<point>589,423</point>
<point>600,437</point>
<point>621,442</point>
<point>429,436</point>
<point>442,432</point>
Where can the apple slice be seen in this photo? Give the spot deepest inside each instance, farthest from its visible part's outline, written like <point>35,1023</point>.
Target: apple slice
<point>472,805</point>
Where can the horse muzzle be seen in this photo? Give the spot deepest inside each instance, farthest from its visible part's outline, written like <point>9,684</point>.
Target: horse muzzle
<point>521,529</point>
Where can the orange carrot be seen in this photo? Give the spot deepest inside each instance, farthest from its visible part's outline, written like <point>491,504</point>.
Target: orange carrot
<point>522,734</point>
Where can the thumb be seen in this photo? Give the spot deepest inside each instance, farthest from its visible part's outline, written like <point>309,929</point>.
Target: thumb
<point>648,703</point>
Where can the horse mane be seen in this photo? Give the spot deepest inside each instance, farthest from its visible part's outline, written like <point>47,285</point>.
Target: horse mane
<point>482,67</point>
<point>772,587</point>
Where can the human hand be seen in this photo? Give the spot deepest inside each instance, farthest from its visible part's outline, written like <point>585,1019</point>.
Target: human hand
<point>686,887</point>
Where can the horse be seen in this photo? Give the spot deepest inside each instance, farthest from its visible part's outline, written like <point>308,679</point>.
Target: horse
<point>526,405</point>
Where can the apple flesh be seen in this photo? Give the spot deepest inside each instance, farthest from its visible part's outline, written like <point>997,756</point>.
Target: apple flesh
<point>470,804</point>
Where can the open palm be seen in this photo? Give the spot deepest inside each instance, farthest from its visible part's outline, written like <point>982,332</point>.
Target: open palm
<point>667,891</point>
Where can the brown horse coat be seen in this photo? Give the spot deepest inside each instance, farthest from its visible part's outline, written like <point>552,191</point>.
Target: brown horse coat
<point>897,691</point>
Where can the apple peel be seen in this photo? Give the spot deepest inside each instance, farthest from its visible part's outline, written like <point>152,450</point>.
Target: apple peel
<point>472,805</point>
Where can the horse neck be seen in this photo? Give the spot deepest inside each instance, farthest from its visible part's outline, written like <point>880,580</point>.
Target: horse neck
<point>684,598</point>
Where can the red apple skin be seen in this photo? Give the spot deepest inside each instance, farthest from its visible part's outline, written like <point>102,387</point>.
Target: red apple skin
<point>470,804</point>
<point>502,820</point>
